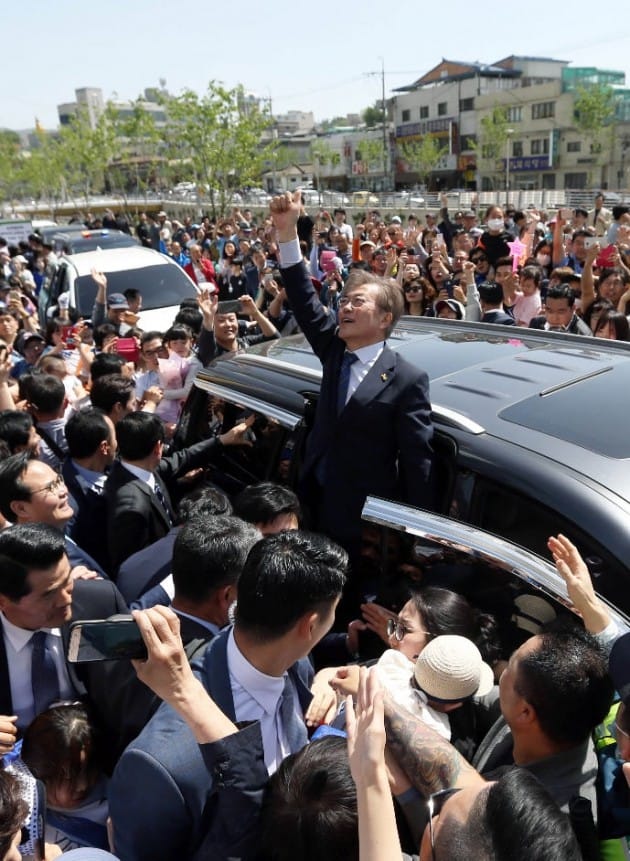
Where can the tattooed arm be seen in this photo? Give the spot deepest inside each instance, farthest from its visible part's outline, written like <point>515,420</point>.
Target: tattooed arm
<point>430,762</point>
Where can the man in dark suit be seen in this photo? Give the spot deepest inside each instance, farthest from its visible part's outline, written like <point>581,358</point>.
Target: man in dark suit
<point>140,510</point>
<point>372,431</point>
<point>161,792</point>
<point>38,600</point>
<point>491,301</point>
<point>32,492</point>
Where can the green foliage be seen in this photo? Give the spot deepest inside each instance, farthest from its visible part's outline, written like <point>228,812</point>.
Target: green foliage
<point>217,136</point>
<point>372,152</point>
<point>86,151</point>
<point>423,156</point>
<point>593,108</point>
<point>373,116</point>
<point>138,161</point>
<point>490,146</point>
<point>10,164</point>
<point>323,154</point>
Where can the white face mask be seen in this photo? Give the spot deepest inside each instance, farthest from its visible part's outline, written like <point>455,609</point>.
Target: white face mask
<point>495,224</point>
<point>543,259</point>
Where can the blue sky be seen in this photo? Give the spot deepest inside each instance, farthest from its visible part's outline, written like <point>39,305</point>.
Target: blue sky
<point>315,58</point>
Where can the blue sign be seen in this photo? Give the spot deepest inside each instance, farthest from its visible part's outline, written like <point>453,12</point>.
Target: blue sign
<point>534,162</point>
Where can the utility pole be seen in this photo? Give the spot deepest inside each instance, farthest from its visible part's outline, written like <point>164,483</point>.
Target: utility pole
<point>384,115</point>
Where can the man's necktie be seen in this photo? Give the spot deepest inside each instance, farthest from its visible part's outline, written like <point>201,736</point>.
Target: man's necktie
<point>44,679</point>
<point>344,379</point>
<point>162,500</point>
<point>294,728</point>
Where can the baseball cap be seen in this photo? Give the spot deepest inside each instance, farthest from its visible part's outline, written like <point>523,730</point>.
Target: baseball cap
<point>367,242</point>
<point>450,669</point>
<point>395,219</point>
<point>117,301</point>
<point>453,304</point>
<point>25,338</point>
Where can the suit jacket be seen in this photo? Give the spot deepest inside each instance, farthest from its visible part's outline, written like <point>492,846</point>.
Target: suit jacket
<point>601,220</point>
<point>110,687</point>
<point>498,317</point>
<point>146,568</point>
<point>380,443</point>
<point>135,516</point>
<point>161,793</point>
<point>88,526</point>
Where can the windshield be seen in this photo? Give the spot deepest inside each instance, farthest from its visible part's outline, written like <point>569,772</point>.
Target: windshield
<point>160,287</point>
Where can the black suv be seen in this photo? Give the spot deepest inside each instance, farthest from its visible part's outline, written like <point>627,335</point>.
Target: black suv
<point>532,439</point>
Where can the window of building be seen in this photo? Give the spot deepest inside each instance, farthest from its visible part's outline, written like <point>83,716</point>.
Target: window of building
<point>514,114</point>
<point>424,112</point>
<point>517,149</point>
<point>406,116</point>
<point>574,146</point>
<point>540,146</point>
<point>575,180</point>
<point>442,108</point>
<point>543,110</point>
<point>466,105</point>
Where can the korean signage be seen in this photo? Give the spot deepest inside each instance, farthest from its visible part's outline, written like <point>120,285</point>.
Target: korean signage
<point>533,162</point>
<point>15,231</point>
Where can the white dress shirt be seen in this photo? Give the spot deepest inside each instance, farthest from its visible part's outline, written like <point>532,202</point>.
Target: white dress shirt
<point>143,474</point>
<point>257,697</point>
<point>366,357</point>
<point>17,643</point>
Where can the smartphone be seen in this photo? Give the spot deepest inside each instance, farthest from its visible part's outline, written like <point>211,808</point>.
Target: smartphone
<point>267,278</point>
<point>439,240</point>
<point>112,639</point>
<point>67,333</point>
<point>128,349</point>
<point>590,241</point>
<point>230,306</point>
<point>566,214</point>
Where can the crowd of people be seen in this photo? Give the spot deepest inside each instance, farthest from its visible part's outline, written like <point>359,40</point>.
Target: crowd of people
<point>254,728</point>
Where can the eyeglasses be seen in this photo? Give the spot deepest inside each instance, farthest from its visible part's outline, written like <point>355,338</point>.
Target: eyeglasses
<point>52,487</point>
<point>480,259</point>
<point>435,803</point>
<point>352,302</point>
<point>398,630</point>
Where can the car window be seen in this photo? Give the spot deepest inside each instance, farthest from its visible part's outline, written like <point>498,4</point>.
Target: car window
<point>161,286</point>
<point>527,522</point>
<point>272,453</point>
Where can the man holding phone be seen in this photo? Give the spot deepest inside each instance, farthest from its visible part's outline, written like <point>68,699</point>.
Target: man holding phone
<point>221,330</point>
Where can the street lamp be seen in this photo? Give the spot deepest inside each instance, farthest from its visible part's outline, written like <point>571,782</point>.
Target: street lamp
<point>508,133</point>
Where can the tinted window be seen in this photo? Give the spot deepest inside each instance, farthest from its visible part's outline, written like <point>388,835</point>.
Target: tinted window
<point>160,286</point>
<point>81,244</point>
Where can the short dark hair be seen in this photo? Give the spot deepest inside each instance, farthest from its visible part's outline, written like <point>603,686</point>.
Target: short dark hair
<point>46,393</point>
<point>504,261</point>
<point>190,317</point>
<point>561,291</point>
<point>533,273</point>
<point>13,810</point>
<point>105,364</point>
<point>85,430</point>
<point>262,503</point>
<point>105,330</point>
<point>109,390</point>
<point>24,548</point>
<point>491,292</point>
<point>137,434</point>
<point>285,576</point>
<point>178,332</point>
<point>310,805</point>
<point>61,744</point>
<point>15,428</point>
<point>132,293</point>
<point>565,678</point>
<point>209,554</point>
<point>205,501</point>
<point>12,486</point>
<point>150,336</point>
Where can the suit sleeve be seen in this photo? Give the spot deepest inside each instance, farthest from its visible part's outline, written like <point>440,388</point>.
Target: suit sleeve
<point>415,454</point>
<point>152,824</point>
<point>237,770</point>
<point>318,326</point>
<point>199,454</point>
<point>126,531</point>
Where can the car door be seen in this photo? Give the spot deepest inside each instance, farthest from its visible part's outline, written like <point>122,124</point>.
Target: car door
<point>418,548</point>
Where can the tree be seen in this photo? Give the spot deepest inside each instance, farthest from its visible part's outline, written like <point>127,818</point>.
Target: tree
<point>593,112</point>
<point>218,136</point>
<point>10,164</point>
<point>490,145</point>
<point>423,156</point>
<point>43,170</point>
<point>321,155</point>
<point>138,158</point>
<point>371,151</point>
<point>87,150</point>
<point>374,115</point>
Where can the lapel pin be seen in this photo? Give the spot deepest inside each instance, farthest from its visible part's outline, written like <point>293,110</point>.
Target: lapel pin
<point>384,377</point>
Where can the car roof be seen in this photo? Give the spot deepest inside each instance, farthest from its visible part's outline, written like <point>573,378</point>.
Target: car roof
<point>562,396</point>
<point>116,259</point>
